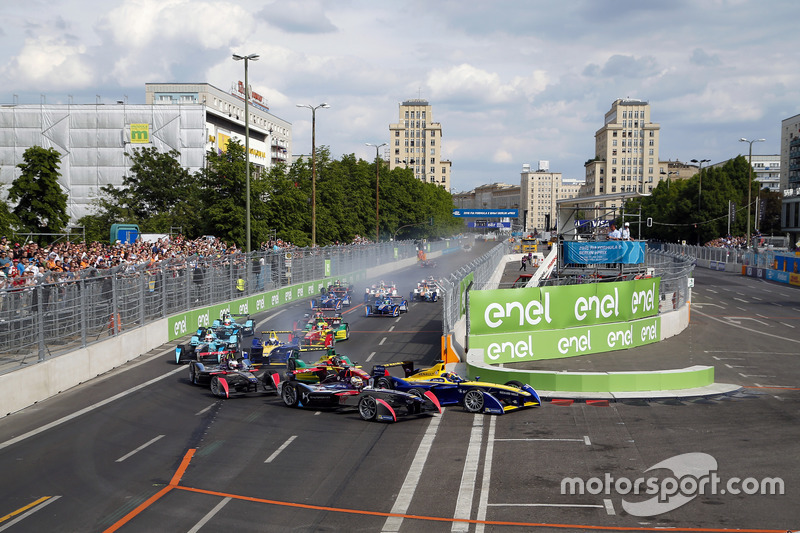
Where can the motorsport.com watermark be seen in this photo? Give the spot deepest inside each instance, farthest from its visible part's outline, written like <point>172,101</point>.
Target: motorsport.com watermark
<point>693,474</point>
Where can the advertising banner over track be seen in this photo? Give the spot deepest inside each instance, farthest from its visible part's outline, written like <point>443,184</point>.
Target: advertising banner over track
<point>548,308</point>
<point>592,253</point>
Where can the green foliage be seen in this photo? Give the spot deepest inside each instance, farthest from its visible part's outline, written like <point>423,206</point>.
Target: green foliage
<point>8,221</point>
<point>697,208</point>
<point>41,205</point>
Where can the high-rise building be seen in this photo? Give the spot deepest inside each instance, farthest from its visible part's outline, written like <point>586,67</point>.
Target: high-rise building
<point>539,192</point>
<point>626,152</point>
<point>415,142</point>
<point>790,177</point>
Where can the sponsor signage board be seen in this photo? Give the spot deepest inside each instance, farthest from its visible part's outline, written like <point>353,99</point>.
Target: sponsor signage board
<point>592,253</point>
<point>486,213</point>
<point>552,308</point>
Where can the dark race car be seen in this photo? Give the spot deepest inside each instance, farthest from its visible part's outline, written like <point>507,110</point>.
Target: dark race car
<point>475,396</point>
<point>233,376</point>
<point>387,306</point>
<point>344,391</point>
<point>329,302</point>
<point>343,291</point>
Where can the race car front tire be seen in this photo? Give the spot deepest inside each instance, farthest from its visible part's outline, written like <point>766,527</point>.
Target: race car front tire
<point>193,374</point>
<point>217,387</point>
<point>347,332</point>
<point>416,392</point>
<point>514,383</point>
<point>383,383</point>
<point>289,395</point>
<point>368,408</point>
<point>473,401</point>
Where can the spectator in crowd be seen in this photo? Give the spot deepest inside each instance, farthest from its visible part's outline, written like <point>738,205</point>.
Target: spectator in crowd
<point>626,232</point>
<point>613,232</point>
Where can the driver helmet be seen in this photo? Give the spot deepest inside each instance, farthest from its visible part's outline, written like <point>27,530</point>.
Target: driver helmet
<point>209,337</point>
<point>233,364</point>
<point>357,382</point>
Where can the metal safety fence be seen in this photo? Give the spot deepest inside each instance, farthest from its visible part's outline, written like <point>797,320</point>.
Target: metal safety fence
<point>61,313</point>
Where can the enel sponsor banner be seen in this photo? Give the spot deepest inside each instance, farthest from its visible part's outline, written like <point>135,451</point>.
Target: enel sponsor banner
<point>554,344</point>
<point>593,253</point>
<point>553,308</point>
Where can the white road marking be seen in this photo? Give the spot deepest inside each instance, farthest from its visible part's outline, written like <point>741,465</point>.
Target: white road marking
<point>22,517</point>
<point>209,515</point>
<point>317,413</point>
<point>741,308</point>
<point>579,505</point>
<point>469,476</point>
<point>743,301</point>
<point>727,358</point>
<point>382,341</point>
<point>749,329</point>
<point>789,325</point>
<point>401,504</point>
<point>396,320</point>
<point>140,448</point>
<point>483,501</point>
<point>279,450</point>
<point>204,410</point>
<point>762,316</point>
<point>370,356</point>
<point>609,506</point>
<point>737,366</point>
<point>757,298</point>
<point>586,440</point>
<point>755,375</point>
<point>89,409</point>
<point>391,328</point>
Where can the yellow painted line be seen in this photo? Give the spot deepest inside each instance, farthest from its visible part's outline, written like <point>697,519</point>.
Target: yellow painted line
<point>23,509</point>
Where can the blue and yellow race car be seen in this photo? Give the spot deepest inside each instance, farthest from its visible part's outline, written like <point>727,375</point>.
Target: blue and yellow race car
<point>451,389</point>
<point>387,306</point>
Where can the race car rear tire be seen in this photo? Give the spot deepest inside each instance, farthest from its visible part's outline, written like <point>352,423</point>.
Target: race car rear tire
<point>289,395</point>
<point>473,401</point>
<point>396,311</point>
<point>367,408</point>
<point>217,388</point>
<point>347,332</point>
<point>383,383</point>
<point>514,383</point>
<point>193,374</point>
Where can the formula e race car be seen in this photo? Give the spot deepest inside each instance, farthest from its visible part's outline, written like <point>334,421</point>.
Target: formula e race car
<point>206,346</point>
<point>235,324</point>
<point>344,390</point>
<point>233,376</point>
<point>330,302</point>
<point>427,291</point>
<point>387,306</point>
<point>315,333</point>
<point>451,389</point>
<point>343,291</point>
<point>329,365</point>
<point>379,290</point>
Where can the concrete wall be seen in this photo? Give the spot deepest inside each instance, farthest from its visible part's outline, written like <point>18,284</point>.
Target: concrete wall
<point>29,385</point>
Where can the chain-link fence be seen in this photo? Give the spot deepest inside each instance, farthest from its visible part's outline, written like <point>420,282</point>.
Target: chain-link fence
<point>62,313</point>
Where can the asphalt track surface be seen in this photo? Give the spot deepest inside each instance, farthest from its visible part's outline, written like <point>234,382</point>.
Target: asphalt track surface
<point>140,449</point>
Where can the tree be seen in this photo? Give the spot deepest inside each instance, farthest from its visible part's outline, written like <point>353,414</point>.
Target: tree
<point>157,195</point>
<point>222,188</point>
<point>41,204</point>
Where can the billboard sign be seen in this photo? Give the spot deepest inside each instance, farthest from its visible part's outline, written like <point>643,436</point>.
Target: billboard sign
<point>486,213</point>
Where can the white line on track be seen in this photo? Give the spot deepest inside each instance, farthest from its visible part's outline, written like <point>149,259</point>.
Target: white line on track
<point>579,505</point>
<point>483,501</point>
<point>140,448</point>
<point>279,450</point>
<point>397,320</point>
<point>468,477</point>
<point>757,298</point>
<point>609,506</point>
<point>741,308</point>
<point>586,440</point>
<point>382,341</point>
<point>743,301</point>
<point>89,409</point>
<point>391,328</point>
<point>200,412</point>
<point>403,501</point>
<point>728,358</point>
<point>369,358</point>
<point>26,515</point>
<point>789,325</point>
<point>209,515</point>
<point>543,439</point>
<point>762,316</point>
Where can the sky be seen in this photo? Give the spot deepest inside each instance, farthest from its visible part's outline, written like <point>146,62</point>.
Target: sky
<point>511,82</point>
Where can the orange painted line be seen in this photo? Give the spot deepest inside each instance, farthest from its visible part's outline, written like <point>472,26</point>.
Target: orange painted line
<point>182,468</point>
<point>157,496</point>
<point>23,509</point>
<point>469,521</point>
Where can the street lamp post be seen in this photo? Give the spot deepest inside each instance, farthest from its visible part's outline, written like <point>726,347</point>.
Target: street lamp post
<point>377,188</point>
<point>313,169</point>
<point>699,192</point>
<point>247,59</point>
<point>750,181</point>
